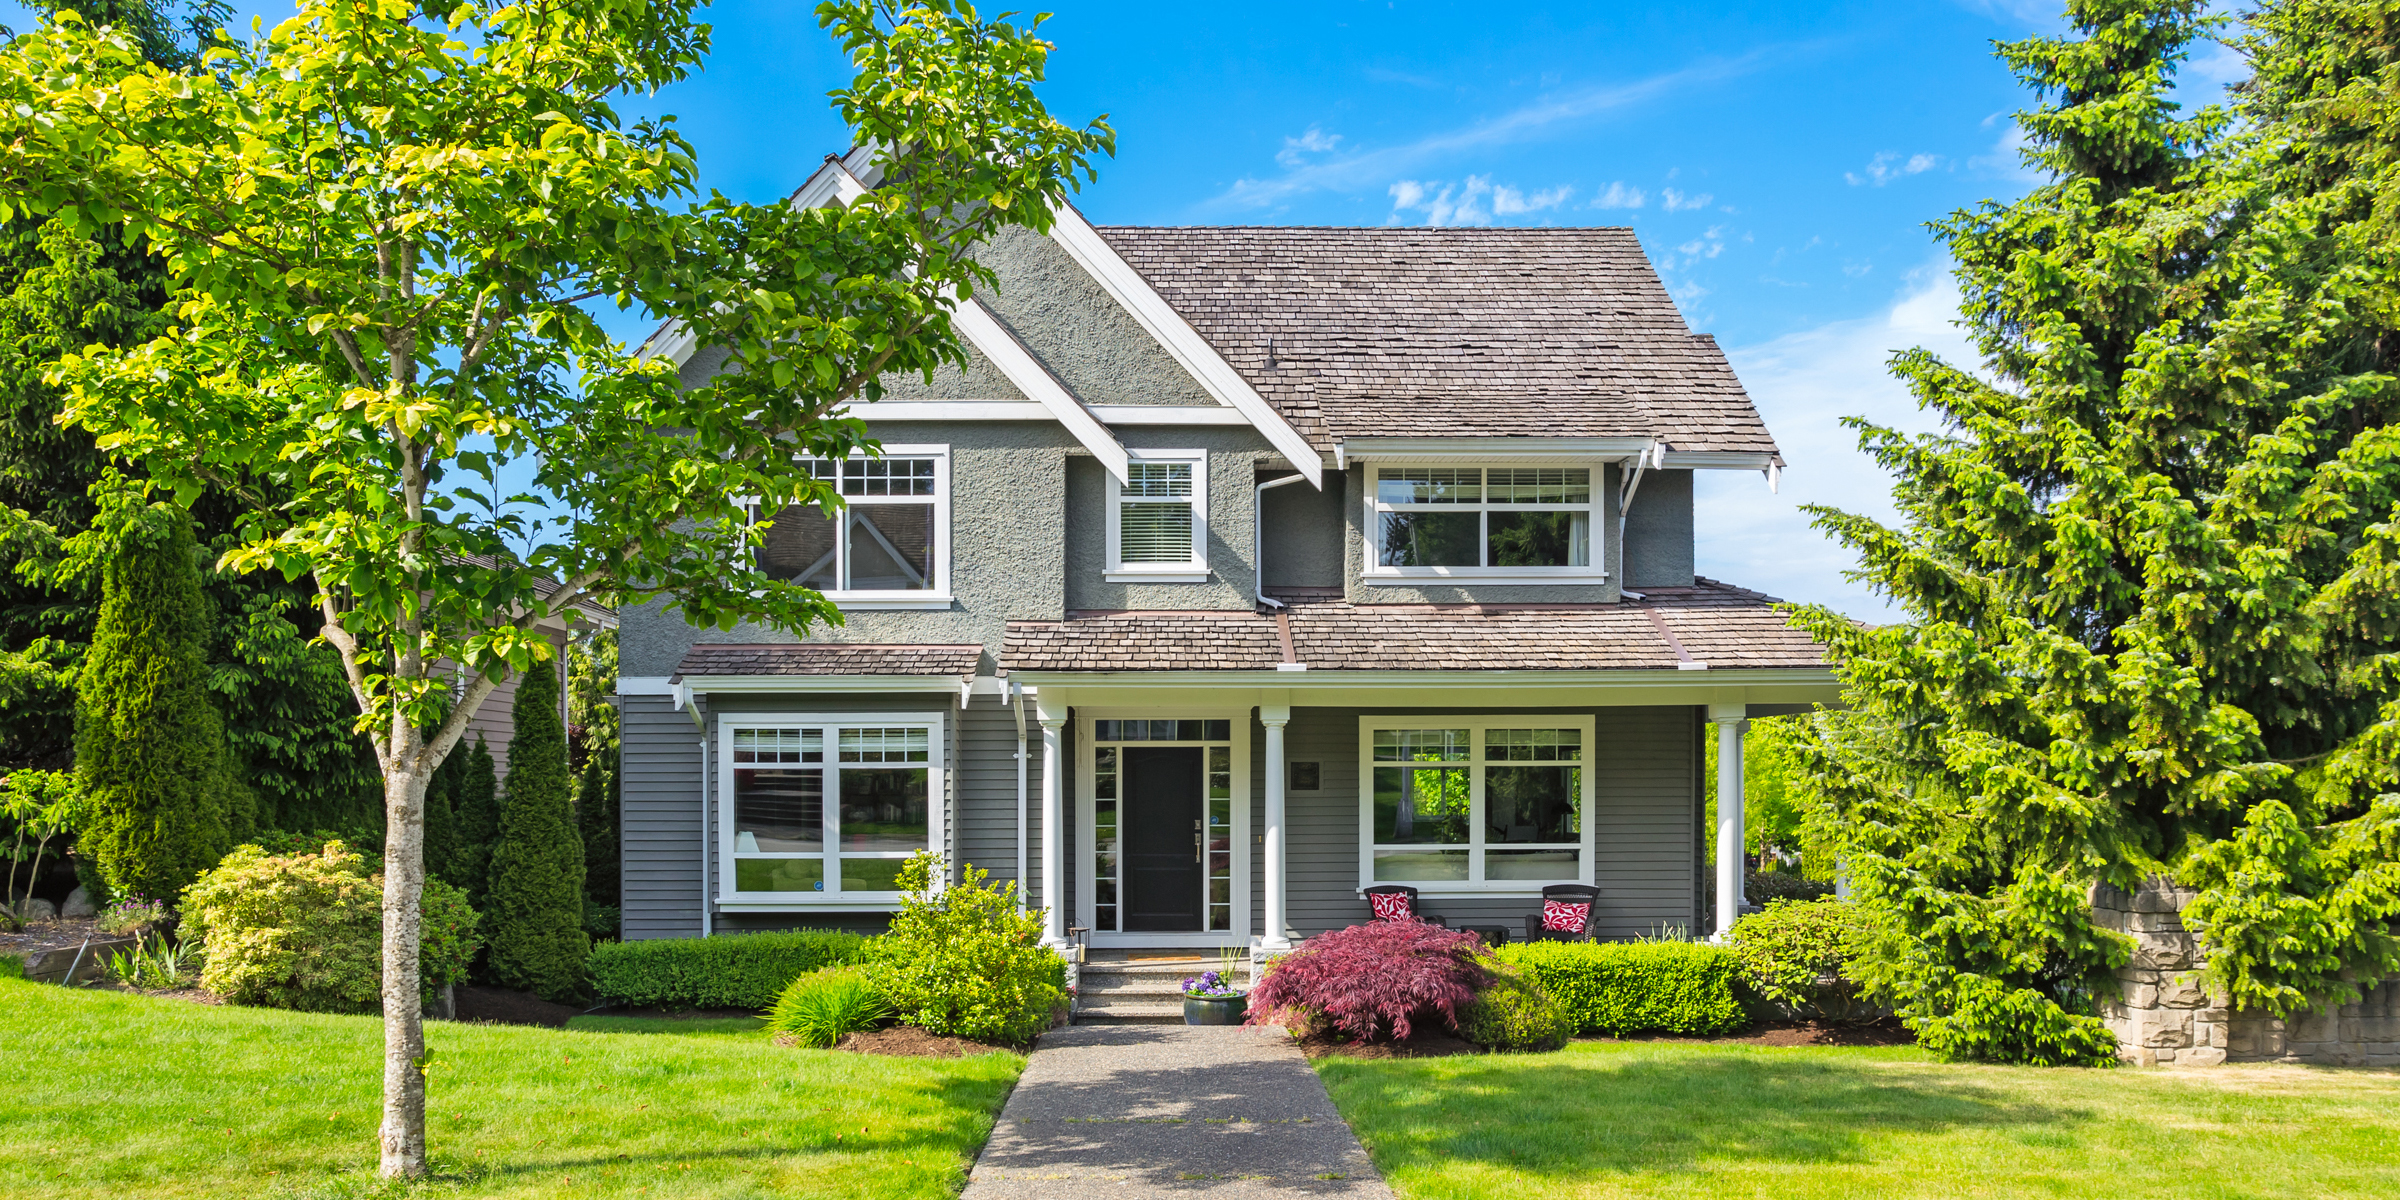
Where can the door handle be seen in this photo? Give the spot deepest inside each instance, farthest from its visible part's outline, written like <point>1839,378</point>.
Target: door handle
<point>1199,845</point>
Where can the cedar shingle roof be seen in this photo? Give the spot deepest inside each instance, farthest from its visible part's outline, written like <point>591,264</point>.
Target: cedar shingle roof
<point>1723,626</point>
<point>829,658</point>
<point>1451,332</point>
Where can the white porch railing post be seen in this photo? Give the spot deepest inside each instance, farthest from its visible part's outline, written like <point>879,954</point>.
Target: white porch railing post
<point>1731,722</point>
<point>1054,833</point>
<point>1276,933</point>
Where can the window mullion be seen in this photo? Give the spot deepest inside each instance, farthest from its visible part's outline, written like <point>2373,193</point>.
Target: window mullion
<point>1475,830</point>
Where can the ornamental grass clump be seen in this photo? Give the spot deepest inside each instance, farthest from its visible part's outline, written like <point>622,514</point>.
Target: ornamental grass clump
<point>1372,981</point>
<point>821,1006</point>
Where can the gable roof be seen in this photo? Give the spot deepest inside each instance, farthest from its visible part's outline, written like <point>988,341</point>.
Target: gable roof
<point>1451,332</point>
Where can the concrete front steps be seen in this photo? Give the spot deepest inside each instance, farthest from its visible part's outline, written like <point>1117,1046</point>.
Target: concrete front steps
<point>1134,991</point>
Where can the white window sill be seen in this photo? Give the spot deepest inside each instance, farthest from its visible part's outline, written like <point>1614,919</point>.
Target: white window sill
<point>1480,578</point>
<point>1514,889</point>
<point>892,602</point>
<point>786,900</point>
<point>1176,576</point>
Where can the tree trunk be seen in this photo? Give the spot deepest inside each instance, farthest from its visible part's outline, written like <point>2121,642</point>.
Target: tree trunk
<point>403,1133</point>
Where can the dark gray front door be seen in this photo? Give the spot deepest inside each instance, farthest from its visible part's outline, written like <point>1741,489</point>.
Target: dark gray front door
<point>1162,814</point>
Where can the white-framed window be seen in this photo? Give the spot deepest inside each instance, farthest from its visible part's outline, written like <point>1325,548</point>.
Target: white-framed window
<point>825,810</point>
<point>890,544</point>
<point>1475,805</point>
<point>1484,524</point>
<point>1158,519</point>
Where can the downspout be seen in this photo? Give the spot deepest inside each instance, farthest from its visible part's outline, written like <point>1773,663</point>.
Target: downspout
<point>1633,483</point>
<point>1016,697</point>
<point>1258,538</point>
<point>707,925</point>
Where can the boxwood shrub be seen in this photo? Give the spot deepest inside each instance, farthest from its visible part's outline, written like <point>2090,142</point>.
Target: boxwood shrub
<point>735,970</point>
<point>1637,987</point>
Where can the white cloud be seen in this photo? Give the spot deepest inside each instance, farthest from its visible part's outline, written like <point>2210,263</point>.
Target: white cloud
<point>1454,204</point>
<point>1296,150</point>
<point>1804,384</point>
<point>1889,166</point>
<point>1363,170</point>
<point>1617,195</point>
<point>2007,158</point>
<point>1508,201</point>
<point>1678,202</point>
<point>1707,245</point>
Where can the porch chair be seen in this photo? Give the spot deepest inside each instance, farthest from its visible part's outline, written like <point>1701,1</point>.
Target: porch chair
<point>1401,897</point>
<point>1566,914</point>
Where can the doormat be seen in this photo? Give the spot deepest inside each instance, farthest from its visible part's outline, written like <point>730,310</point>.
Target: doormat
<point>1163,956</point>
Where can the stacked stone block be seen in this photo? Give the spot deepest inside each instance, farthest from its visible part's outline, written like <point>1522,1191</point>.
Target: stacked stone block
<point>2164,1017</point>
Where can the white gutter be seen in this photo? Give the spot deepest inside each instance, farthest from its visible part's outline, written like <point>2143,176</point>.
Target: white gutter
<point>1258,538</point>
<point>1016,698</point>
<point>706,925</point>
<point>1655,455</point>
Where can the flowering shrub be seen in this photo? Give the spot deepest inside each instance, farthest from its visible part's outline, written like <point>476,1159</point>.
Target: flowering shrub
<point>1209,985</point>
<point>306,931</point>
<point>131,915</point>
<point>1371,980</point>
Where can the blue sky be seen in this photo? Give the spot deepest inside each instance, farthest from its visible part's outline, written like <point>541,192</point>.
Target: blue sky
<point>1779,161</point>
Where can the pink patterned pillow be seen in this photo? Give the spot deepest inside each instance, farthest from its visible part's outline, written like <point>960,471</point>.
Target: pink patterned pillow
<point>1558,916</point>
<point>1390,906</point>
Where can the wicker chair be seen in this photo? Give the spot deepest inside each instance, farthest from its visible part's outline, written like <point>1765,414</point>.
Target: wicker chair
<point>1571,893</point>
<point>1401,889</point>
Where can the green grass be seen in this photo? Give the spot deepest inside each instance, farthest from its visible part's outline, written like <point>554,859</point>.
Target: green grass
<point>1664,1119</point>
<point>713,1026</point>
<point>123,1095</point>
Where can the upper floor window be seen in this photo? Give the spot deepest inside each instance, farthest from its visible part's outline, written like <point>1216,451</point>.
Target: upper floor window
<point>1494,524</point>
<point>891,541</point>
<point>1158,521</point>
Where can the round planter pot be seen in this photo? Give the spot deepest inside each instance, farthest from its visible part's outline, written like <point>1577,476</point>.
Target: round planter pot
<point>1220,1010</point>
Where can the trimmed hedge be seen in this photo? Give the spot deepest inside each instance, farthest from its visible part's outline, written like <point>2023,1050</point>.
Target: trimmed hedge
<point>738,970</point>
<point>1633,987</point>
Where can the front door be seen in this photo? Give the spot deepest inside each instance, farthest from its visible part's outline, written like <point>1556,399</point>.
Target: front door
<point>1163,847</point>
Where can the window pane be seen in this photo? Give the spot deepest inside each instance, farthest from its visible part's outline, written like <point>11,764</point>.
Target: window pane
<point>779,874</point>
<point>1431,539</point>
<point>1188,731</point>
<point>891,547</point>
<point>1412,866</point>
<point>1533,745</point>
<point>1421,804</point>
<point>1429,485</point>
<point>1219,731</point>
<point>1532,804</point>
<point>1161,731</point>
<point>883,809</point>
<point>778,811</point>
<point>1158,480</point>
<point>798,548</point>
<point>1104,771</point>
<point>778,745</point>
<point>887,477</point>
<point>1421,745</point>
<point>892,745</point>
<point>1540,539</point>
<point>1555,866</point>
<point>1541,485</point>
<point>1155,533</point>
<point>872,874</point>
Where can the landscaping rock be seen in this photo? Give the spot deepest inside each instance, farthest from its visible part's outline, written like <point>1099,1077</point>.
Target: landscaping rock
<point>38,909</point>
<point>78,905</point>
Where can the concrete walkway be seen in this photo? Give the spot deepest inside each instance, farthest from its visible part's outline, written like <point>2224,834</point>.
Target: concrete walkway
<point>1143,1110</point>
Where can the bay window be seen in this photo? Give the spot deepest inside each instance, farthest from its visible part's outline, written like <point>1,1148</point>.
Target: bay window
<point>890,541</point>
<point>1495,524</point>
<point>1158,519</point>
<point>1485,804</point>
<point>827,810</point>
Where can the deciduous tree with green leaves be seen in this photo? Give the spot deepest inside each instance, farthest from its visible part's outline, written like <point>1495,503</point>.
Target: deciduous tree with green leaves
<point>385,221</point>
<point>2149,566</point>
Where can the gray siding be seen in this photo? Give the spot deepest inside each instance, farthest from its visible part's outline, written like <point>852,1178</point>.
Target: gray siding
<point>661,819</point>
<point>987,790</point>
<point>1233,454</point>
<point>1658,532</point>
<point>1645,796</point>
<point>1304,532</point>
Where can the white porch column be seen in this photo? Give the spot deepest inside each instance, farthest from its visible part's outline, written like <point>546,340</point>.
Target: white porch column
<point>1054,831</point>
<point>1275,717</point>
<point>1731,721</point>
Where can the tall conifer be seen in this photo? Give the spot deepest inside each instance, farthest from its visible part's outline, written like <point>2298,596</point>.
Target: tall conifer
<point>536,888</point>
<point>475,801</point>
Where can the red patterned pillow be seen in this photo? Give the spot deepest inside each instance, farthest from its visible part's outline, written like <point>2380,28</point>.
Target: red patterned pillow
<point>1558,916</point>
<point>1390,906</point>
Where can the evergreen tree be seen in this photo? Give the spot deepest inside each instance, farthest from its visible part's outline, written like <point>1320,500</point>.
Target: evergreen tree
<point>475,801</point>
<point>2152,567</point>
<point>148,744</point>
<point>536,888</point>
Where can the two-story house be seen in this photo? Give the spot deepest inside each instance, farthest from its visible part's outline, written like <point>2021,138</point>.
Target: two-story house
<point>1243,569</point>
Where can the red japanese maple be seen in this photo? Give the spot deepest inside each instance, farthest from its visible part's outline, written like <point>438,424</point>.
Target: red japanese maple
<point>1371,979</point>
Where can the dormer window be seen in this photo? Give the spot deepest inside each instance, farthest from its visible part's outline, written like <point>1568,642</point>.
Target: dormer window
<point>1158,524</point>
<point>1483,524</point>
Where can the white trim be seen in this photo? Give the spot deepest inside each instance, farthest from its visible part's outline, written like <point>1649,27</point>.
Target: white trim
<point>1716,460</point>
<point>1177,337</point>
<point>1595,507</point>
<point>1027,410</point>
<point>1397,449</point>
<point>1086,904</point>
<point>704,684</point>
<point>1193,571</point>
<point>645,685</point>
<point>937,801</point>
<point>1588,767</point>
<point>1167,414</point>
<point>878,602</point>
<point>1035,380</point>
<point>934,599</point>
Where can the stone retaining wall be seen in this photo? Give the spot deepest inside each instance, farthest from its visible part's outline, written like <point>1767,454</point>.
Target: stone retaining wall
<point>2165,1018</point>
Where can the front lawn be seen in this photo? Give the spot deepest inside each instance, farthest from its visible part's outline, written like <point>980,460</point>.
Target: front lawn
<point>113,1094</point>
<point>1666,1119</point>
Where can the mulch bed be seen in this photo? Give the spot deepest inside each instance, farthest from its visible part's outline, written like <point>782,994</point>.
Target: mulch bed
<point>1423,1043</point>
<point>499,1006</point>
<point>38,936</point>
<point>910,1041</point>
